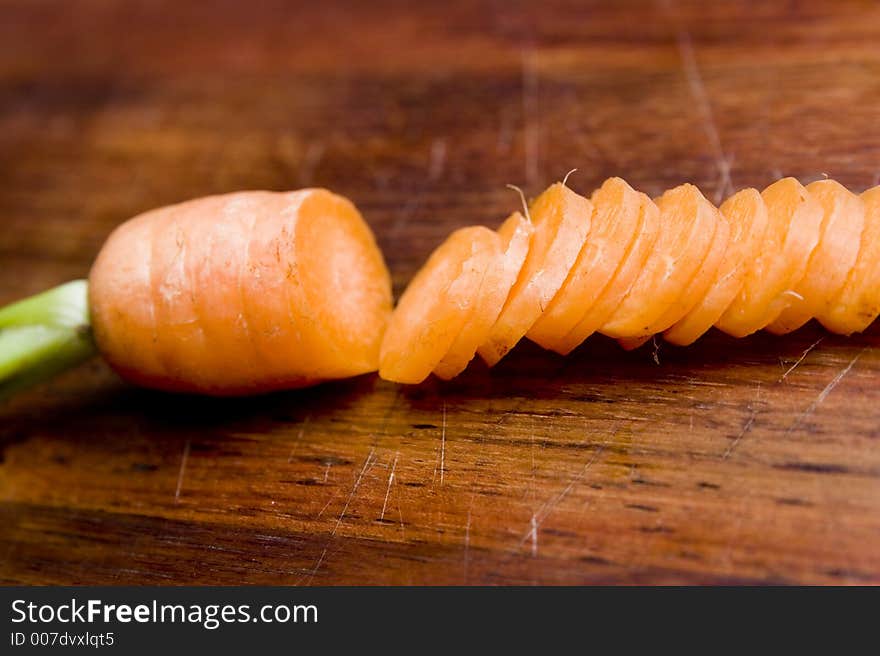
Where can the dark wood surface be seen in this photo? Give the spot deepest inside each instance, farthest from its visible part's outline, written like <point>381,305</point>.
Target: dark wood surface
<point>754,460</point>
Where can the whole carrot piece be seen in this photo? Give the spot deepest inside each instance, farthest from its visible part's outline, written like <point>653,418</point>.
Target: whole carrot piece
<point>235,294</point>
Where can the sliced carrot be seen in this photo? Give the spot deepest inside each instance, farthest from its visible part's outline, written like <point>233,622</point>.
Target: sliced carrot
<point>857,304</point>
<point>561,219</point>
<point>614,228</point>
<point>688,229</point>
<point>632,343</point>
<point>437,305</point>
<point>632,263</point>
<point>834,256</point>
<point>706,271</point>
<point>747,217</point>
<point>501,273</point>
<point>794,218</point>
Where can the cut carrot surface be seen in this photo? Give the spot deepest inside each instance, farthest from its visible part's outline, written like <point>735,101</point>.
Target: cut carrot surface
<point>687,230</point>
<point>501,273</point>
<point>706,272</point>
<point>612,296</point>
<point>562,220</point>
<point>794,218</point>
<point>613,229</point>
<point>241,293</point>
<point>437,305</point>
<point>857,304</point>
<point>834,256</point>
<point>747,216</point>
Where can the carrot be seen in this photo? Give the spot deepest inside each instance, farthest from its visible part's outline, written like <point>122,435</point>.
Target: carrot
<point>631,268</point>
<point>242,293</point>
<point>438,305</point>
<point>515,234</point>
<point>610,298</point>
<point>857,304</point>
<point>794,217</point>
<point>561,222</point>
<point>256,291</point>
<point>688,228</point>
<point>612,230</point>
<point>747,217</point>
<point>832,259</point>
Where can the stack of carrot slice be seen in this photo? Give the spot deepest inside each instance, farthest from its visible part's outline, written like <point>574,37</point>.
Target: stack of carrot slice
<point>631,268</point>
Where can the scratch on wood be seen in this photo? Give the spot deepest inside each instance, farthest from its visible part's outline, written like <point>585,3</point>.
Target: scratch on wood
<point>326,505</point>
<point>390,481</point>
<point>314,154</point>
<point>437,162</point>
<point>405,214</point>
<point>800,359</point>
<point>534,536</point>
<point>183,460</point>
<point>541,515</point>
<point>299,436</point>
<point>467,544</point>
<point>316,567</point>
<point>698,91</point>
<point>824,393</point>
<point>357,483</point>
<point>442,465</point>
<point>747,427</point>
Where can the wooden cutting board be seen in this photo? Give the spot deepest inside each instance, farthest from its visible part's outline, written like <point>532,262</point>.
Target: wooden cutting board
<point>743,461</point>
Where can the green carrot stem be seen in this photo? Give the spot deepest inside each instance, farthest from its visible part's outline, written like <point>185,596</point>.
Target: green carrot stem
<point>43,335</point>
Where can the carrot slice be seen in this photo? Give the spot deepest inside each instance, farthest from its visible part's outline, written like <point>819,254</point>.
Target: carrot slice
<point>832,259</point>
<point>437,305</point>
<point>706,273</point>
<point>561,219</point>
<point>747,217</point>
<point>689,223</point>
<point>794,218</point>
<point>501,273</point>
<point>857,304</point>
<point>613,230</point>
<point>614,293</point>
<point>632,343</point>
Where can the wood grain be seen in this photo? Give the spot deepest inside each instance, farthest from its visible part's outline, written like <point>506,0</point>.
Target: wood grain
<point>739,461</point>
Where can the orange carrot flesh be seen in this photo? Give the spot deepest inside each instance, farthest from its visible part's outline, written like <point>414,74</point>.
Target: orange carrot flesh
<point>613,229</point>
<point>857,304</point>
<point>633,268</point>
<point>125,327</point>
<point>684,240</point>
<point>242,293</point>
<point>794,218</point>
<point>437,305</point>
<point>703,212</point>
<point>747,217</point>
<point>501,273</point>
<point>612,296</point>
<point>331,264</point>
<point>177,331</point>
<point>561,220</point>
<point>834,256</point>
